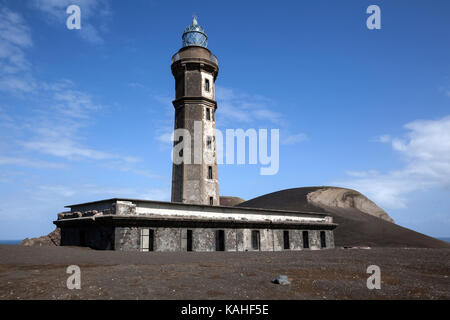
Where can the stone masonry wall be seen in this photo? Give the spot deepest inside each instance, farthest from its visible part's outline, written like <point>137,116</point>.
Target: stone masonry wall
<point>204,239</point>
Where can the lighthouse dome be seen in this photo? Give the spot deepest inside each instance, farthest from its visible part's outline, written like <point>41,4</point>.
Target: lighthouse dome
<point>195,35</point>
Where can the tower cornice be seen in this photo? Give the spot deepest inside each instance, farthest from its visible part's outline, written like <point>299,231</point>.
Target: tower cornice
<point>194,100</point>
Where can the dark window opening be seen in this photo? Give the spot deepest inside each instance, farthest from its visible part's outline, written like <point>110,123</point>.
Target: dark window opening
<point>208,114</point>
<point>305,239</point>
<point>207,85</point>
<point>210,175</point>
<point>209,143</point>
<point>151,239</point>
<point>189,240</point>
<point>220,240</point>
<point>211,201</point>
<point>323,242</point>
<point>82,238</point>
<point>255,239</point>
<point>286,240</point>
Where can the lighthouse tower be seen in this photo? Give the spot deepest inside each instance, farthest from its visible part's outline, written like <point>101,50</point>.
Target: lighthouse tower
<point>195,70</point>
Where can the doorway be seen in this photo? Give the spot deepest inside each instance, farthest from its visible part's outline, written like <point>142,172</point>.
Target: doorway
<point>189,240</point>
<point>286,240</point>
<point>220,240</point>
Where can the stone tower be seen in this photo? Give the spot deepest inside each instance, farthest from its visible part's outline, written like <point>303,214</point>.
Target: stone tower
<point>195,70</point>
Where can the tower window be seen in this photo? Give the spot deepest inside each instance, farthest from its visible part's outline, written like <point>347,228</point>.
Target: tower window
<point>207,85</point>
<point>210,173</point>
<point>255,239</point>
<point>211,201</point>
<point>208,114</point>
<point>209,143</point>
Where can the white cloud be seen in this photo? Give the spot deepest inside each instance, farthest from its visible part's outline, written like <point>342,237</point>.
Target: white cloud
<point>426,151</point>
<point>242,107</point>
<point>293,138</point>
<point>234,107</point>
<point>445,90</point>
<point>33,163</point>
<point>15,39</point>
<point>52,126</point>
<point>56,129</point>
<point>45,192</point>
<point>62,191</point>
<point>165,137</point>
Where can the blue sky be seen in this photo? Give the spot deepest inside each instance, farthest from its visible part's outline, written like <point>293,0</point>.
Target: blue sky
<point>85,114</point>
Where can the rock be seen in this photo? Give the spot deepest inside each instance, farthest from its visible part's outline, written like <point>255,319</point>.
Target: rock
<point>230,201</point>
<point>52,239</point>
<point>281,279</point>
<point>346,198</point>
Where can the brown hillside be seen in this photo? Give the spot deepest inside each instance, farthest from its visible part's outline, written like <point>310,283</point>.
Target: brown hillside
<point>356,228</point>
<point>230,201</point>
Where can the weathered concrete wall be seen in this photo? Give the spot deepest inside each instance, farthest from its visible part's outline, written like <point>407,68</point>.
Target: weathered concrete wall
<point>247,240</point>
<point>329,239</point>
<point>128,239</point>
<point>167,239</point>
<point>203,239</point>
<point>231,241</point>
<point>296,239</point>
<point>277,239</point>
<point>240,239</point>
<point>266,242</point>
<point>314,239</point>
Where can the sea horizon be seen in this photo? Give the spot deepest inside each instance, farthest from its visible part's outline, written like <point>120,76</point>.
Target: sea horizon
<point>10,241</point>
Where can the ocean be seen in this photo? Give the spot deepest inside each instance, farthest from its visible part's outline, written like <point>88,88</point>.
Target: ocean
<point>445,239</point>
<point>10,241</point>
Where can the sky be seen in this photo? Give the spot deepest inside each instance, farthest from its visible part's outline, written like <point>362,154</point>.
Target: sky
<point>86,114</point>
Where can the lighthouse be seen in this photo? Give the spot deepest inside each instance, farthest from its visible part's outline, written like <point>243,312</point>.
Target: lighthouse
<point>195,69</point>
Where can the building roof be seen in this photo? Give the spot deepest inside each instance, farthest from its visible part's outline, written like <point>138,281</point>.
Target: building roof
<point>200,206</point>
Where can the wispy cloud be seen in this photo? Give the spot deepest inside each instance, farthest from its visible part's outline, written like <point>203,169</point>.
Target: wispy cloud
<point>32,163</point>
<point>293,138</point>
<point>236,106</point>
<point>54,125</point>
<point>235,109</point>
<point>87,191</point>
<point>445,90</point>
<point>15,39</point>
<point>425,148</point>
